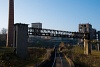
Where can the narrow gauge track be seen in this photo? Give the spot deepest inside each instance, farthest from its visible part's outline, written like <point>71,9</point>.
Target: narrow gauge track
<point>56,60</point>
<point>60,60</point>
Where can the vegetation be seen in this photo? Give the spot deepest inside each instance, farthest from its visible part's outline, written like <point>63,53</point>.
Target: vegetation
<point>2,39</point>
<point>81,60</point>
<point>9,59</point>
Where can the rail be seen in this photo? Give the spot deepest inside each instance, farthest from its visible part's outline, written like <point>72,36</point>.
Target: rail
<point>54,58</point>
<point>60,59</point>
<point>57,59</point>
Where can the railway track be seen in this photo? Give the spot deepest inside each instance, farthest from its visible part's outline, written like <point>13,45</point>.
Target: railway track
<point>56,60</point>
<point>60,60</point>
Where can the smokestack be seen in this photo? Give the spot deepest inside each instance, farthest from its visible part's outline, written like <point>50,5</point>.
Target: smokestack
<point>10,24</point>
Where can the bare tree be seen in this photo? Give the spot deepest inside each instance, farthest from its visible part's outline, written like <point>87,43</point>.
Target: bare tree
<point>4,31</point>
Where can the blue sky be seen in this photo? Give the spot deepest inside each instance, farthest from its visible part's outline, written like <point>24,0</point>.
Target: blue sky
<point>54,14</point>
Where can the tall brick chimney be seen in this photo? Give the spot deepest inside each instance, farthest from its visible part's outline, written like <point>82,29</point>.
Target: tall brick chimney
<point>9,42</point>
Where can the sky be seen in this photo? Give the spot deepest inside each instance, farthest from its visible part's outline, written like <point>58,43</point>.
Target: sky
<point>53,14</point>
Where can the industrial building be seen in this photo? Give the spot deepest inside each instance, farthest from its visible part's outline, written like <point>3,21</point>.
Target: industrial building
<point>87,28</point>
<point>36,25</point>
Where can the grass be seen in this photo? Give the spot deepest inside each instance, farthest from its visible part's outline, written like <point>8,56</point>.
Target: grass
<point>95,53</point>
<point>9,58</point>
<point>76,54</point>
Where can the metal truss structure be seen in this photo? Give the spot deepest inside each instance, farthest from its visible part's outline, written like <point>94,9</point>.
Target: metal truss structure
<point>56,33</point>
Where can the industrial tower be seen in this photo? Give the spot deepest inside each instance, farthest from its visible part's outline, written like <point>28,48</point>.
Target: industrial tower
<point>9,42</point>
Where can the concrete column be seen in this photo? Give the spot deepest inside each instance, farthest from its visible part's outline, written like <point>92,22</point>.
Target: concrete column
<point>87,47</point>
<point>91,47</point>
<point>21,40</point>
<point>98,47</point>
<point>14,38</point>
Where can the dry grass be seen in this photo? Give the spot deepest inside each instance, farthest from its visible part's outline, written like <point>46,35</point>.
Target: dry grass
<point>7,56</point>
<point>95,53</point>
<point>81,60</point>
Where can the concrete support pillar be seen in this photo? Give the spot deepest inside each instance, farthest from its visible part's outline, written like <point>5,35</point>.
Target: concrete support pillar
<point>21,40</point>
<point>98,47</point>
<point>87,47</point>
<point>91,47</point>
